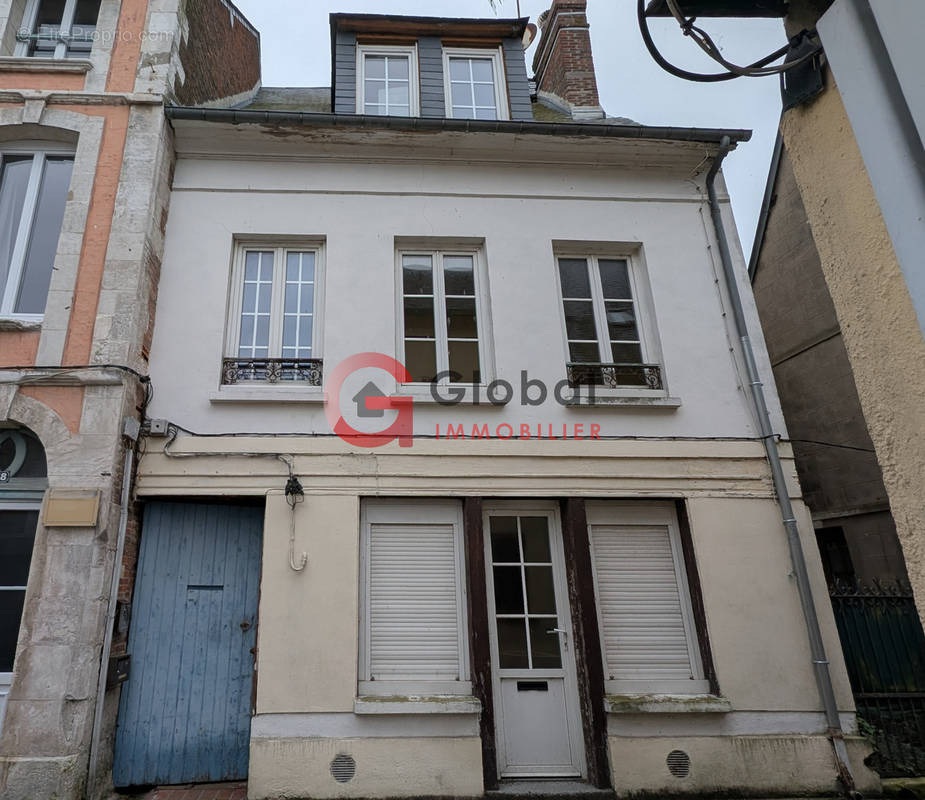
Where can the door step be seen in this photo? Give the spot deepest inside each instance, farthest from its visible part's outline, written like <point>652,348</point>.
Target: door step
<point>549,789</point>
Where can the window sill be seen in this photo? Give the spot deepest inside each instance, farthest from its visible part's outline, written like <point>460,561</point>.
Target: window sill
<point>40,64</point>
<point>421,393</point>
<point>21,322</point>
<point>263,393</point>
<point>616,397</point>
<point>411,704</point>
<point>666,704</point>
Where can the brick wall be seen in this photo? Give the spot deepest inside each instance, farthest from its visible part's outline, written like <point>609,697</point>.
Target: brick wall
<point>564,64</point>
<point>220,56</point>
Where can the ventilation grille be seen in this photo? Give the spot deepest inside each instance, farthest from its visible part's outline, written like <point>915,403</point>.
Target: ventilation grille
<point>343,768</point>
<point>679,763</point>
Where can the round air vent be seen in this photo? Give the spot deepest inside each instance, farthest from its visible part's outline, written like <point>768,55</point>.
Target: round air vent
<point>343,768</point>
<point>679,763</point>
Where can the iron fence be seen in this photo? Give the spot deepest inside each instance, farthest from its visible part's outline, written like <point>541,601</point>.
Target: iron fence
<point>884,649</point>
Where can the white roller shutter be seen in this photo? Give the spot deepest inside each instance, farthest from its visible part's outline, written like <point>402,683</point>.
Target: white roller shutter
<point>413,600</point>
<point>641,608</point>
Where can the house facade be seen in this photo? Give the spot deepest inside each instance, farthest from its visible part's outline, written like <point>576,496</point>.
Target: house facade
<point>451,477</point>
<point>85,167</point>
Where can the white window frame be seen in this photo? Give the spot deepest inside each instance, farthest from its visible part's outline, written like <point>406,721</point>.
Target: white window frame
<point>497,58</point>
<point>30,15</point>
<point>650,514</point>
<point>6,678</point>
<point>279,248</point>
<point>437,251</point>
<point>643,305</point>
<point>40,151</point>
<point>414,85</point>
<point>385,511</point>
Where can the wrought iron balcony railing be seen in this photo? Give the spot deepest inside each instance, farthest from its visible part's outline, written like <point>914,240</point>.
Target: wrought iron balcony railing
<point>272,370</point>
<point>616,376</point>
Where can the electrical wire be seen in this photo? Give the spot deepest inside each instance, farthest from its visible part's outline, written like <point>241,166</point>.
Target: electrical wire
<point>757,69</point>
<point>174,429</point>
<point>144,380</point>
<point>833,444</point>
<point>76,368</point>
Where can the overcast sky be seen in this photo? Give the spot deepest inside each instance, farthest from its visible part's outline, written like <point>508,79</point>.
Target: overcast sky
<point>296,52</point>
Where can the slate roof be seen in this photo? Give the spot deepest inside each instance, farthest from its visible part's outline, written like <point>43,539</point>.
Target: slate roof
<point>318,100</point>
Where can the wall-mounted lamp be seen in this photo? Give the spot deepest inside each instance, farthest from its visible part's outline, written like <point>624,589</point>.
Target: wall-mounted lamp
<point>295,494</point>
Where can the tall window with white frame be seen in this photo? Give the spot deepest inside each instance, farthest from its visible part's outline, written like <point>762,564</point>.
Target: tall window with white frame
<point>387,82</point>
<point>441,316</point>
<point>474,84</point>
<point>33,194</point>
<point>602,324</point>
<point>58,28</point>
<point>275,334</point>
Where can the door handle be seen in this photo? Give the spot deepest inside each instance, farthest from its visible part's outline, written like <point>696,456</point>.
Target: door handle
<point>564,635</point>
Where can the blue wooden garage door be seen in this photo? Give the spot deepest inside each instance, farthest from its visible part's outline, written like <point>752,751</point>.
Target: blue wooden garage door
<point>184,715</point>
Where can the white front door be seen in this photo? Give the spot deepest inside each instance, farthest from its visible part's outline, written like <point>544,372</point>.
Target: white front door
<point>539,731</point>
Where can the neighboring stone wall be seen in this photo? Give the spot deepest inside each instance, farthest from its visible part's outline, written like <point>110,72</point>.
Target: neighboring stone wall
<point>875,551</point>
<point>220,56</point>
<point>47,730</point>
<point>123,324</point>
<point>878,322</point>
<point>811,367</point>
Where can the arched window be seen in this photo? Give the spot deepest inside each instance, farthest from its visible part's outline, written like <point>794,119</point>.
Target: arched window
<point>23,479</point>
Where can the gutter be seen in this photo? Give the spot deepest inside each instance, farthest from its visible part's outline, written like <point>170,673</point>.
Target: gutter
<point>439,124</point>
<point>798,558</point>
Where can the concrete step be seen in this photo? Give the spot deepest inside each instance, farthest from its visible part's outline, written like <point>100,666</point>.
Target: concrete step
<point>550,789</point>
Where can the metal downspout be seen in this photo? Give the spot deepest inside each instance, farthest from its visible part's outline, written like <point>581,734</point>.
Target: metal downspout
<point>797,557</point>
<point>130,432</point>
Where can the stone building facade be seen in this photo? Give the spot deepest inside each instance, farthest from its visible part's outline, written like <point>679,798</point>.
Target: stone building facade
<point>87,160</point>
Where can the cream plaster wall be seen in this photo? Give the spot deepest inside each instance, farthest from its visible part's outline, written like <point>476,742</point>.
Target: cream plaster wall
<point>759,642</point>
<point>875,312</point>
<point>307,634</point>
<point>412,767</point>
<point>704,451</point>
<point>772,739</point>
<point>358,206</point>
<point>761,766</point>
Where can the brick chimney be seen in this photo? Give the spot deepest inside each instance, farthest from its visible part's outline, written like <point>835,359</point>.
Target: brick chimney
<point>563,65</point>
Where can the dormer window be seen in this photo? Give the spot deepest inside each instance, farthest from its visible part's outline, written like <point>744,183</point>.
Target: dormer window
<point>58,28</point>
<point>387,81</point>
<point>474,84</point>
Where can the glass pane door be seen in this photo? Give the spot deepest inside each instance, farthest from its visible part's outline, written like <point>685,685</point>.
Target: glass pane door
<point>538,726</point>
<point>525,595</point>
